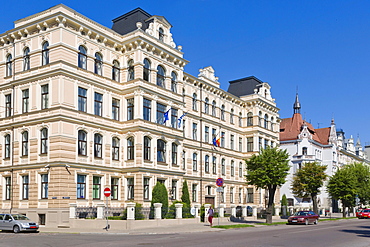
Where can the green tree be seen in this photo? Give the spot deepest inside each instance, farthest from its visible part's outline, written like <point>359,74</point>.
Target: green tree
<point>308,180</point>
<point>362,175</point>
<point>160,195</point>
<point>268,170</point>
<point>342,186</point>
<point>185,198</point>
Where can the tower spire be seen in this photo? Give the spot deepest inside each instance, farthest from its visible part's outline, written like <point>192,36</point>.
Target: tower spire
<point>297,105</point>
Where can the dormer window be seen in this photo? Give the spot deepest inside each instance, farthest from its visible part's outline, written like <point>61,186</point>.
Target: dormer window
<point>161,34</point>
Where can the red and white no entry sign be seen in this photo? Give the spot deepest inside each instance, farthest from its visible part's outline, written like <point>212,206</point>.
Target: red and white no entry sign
<point>107,192</point>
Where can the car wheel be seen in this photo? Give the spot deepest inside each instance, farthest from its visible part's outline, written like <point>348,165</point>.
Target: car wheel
<point>316,222</point>
<point>16,229</point>
<point>306,222</point>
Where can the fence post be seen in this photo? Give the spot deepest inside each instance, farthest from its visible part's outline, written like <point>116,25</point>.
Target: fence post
<point>222,210</point>
<point>254,211</point>
<point>158,210</point>
<point>233,210</point>
<point>72,210</point>
<point>179,210</point>
<point>100,210</point>
<point>245,211</point>
<point>277,210</point>
<point>131,210</point>
<point>196,206</point>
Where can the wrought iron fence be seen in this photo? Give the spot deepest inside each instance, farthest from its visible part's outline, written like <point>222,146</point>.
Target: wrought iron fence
<point>86,212</point>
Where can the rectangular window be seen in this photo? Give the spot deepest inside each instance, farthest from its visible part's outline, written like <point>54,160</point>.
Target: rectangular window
<point>114,188</point>
<point>44,141</point>
<point>240,195</point>
<point>82,99</point>
<point>206,164</point>
<point>7,146</point>
<point>195,129</point>
<point>98,104</point>
<point>174,189</point>
<point>147,109</point>
<point>194,192</point>
<point>146,188</point>
<point>240,169</point>
<point>250,195</point>
<point>25,100</point>
<point>130,109</point>
<point>232,142</point>
<point>250,144</point>
<point>25,143</point>
<point>96,187</point>
<point>260,143</point>
<point>81,186</point>
<point>231,195</point>
<point>115,109</point>
<point>206,134</point>
<point>222,139</point>
<point>174,154</point>
<point>44,186</point>
<point>183,160</point>
<point>174,118</point>
<point>45,96</point>
<point>240,144</point>
<point>214,167</point>
<point>213,134</point>
<point>8,105</point>
<point>25,187</point>
<point>8,183</point>
<point>161,109</point>
<point>266,143</point>
<point>130,188</point>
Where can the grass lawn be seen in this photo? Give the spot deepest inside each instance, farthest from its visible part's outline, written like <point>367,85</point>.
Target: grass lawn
<point>233,226</point>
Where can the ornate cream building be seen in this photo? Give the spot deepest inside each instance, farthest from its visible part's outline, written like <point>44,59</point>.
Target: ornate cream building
<point>85,107</point>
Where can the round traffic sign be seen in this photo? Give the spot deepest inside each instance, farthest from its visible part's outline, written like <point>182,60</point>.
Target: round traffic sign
<point>219,182</point>
<point>107,192</point>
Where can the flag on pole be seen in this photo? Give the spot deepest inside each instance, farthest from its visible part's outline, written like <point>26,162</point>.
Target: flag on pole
<point>180,120</point>
<point>216,142</point>
<point>165,116</point>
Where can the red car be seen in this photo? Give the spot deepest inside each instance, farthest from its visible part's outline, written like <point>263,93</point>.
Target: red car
<point>304,217</point>
<point>358,211</point>
<point>365,213</point>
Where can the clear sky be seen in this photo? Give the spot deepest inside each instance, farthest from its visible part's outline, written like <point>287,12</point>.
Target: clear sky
<point>320,47</point>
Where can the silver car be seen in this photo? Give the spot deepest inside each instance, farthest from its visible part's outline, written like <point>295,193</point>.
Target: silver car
<point>17,223</point>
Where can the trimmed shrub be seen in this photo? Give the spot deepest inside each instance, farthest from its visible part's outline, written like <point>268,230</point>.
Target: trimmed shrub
<point>159,195</point>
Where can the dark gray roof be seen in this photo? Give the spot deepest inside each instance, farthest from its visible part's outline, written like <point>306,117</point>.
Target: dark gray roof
<point>244,86</point>
<point>127,23</point>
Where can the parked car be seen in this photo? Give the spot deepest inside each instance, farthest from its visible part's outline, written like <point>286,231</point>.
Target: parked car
<point>304,217</point>
<point>358,211</point>
<point>17,223</point>
<point>365,213</point>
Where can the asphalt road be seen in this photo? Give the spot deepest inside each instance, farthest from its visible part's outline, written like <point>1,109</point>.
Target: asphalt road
<point>344,233</point>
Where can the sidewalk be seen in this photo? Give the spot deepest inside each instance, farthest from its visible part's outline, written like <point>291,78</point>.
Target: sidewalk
<point>183,228</point>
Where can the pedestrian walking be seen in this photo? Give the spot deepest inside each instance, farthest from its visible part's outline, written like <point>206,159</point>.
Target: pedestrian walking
<point>210,215</point>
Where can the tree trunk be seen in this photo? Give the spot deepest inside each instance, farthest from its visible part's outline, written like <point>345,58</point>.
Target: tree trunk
<point>270,205</point>
<point>314,203</point>
<point>344,211</point>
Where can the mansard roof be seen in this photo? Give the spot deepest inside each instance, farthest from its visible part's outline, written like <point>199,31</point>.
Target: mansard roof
<point>244,86</point>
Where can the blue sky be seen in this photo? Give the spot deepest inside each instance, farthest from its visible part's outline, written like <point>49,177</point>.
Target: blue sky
<point>320,47</point>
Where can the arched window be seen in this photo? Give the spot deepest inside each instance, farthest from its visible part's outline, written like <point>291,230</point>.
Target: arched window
<point>249,119</point>
<point>260,119</point>
<point>174,82</point>
<point>82,142</point>
<point>240,169</point>
<point>161,34</point>
<point>240,120</point>
<point>214,108</point>
<point>115,148</point>
<point>7,146</point>
<point>223,112</point>
<point>206,106</point>
<point>272,123</point>
<point>195,161</point>
<point>25,143</point>
<point>206,164</point>
<point>161,151</point>
<point>44,140</point>
<point>304,151</point>
<point>115,71</point>
<point>130,148</point>
<point>130,70</point>
<point>98,144</point>
<point>9,65</point>
<point>98,64</point>
<point>266,121</point>
<point>232,171</point>
<point>160,76</point>
<point>195,108</point>
<point>26,59</point>
<point>45,53</point>
<point>82,57</point>
<point>232,116</point>
<point>147,144</point>
<point>174,154</point>
<point>223,168</point>
<point>146,72</point>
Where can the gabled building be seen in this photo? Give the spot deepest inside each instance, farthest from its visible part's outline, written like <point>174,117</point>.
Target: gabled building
<point>87,107</point>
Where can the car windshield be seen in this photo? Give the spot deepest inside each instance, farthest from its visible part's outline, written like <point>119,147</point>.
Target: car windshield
<point>300,213</point>
<point>19,217</point>
<point>366,210</point>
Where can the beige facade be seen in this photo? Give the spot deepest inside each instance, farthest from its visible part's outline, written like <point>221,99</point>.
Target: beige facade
<point>82,111</point>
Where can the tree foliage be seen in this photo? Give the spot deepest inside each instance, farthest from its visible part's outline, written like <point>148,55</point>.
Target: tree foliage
<point>362,179</point>
<point>308,180</point>
<point>160,195</point>
<point>185,197</point>
<point>268,170</point>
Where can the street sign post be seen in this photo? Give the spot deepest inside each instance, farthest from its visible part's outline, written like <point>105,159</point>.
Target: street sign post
<point>107,195</point>
<point>220,189</point>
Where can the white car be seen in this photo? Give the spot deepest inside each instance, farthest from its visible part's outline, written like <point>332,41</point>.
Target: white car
<point>17,223</point>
